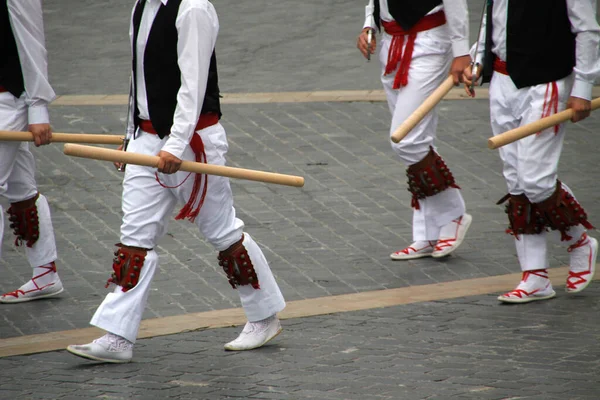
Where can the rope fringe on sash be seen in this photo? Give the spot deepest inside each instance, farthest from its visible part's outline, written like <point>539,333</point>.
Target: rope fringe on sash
<point>397,59</point>
<point>188,211</point>
<point>551,103</point>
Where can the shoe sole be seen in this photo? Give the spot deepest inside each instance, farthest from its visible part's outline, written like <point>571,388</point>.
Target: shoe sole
<point>25,299</point>
<point>90,357</point>
<point>257,346</point>
<point>526,300</point>
<point>413,257</point>
<point>457,243</point>
<point>589,280</point>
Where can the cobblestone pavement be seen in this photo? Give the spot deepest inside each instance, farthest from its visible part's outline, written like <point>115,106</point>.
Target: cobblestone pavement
<point>331,237</point>
<point>468,348</point>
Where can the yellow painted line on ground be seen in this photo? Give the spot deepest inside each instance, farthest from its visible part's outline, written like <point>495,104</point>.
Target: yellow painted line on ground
<point>238,98</point>
<point>275,97</point>
<point>31,344</point>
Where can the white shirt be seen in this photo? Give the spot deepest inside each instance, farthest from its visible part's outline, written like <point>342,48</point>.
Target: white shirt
<point>28,28</point>
<point>582,14</point>
<point>457,17</point>
<point>197,28</point>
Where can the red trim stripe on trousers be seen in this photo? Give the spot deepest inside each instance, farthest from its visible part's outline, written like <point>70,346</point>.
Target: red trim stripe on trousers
<point>550,98</point>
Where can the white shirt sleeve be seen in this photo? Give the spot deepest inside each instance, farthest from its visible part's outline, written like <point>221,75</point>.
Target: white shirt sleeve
<point>130,130</point>
<point>582,14</point>
<point>369,19</point>
<point>479,45</point>
<point>457,17</point>
<point>197,26</point>
<point>28,28</point>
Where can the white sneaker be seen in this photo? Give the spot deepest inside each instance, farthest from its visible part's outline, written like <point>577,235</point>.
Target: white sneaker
<point>45,284</point>
<point>582,265</point>
<point>452,236</point>
<point>419,249</point>
<point>108,348</point>
<point>534,285</point>
<point>256,334</point>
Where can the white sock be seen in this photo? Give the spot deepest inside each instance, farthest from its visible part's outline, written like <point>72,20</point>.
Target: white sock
<point>259,326</point>
<point>423,244</point>
<point>45,276</point>
<point>535,281</point>
<point>114,342</point>
<point>448,231</point>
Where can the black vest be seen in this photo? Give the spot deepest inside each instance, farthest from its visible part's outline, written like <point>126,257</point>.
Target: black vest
<point>161,71</point>
<point>406,12</point>
<point>11,75</point>
<point>540,46</point>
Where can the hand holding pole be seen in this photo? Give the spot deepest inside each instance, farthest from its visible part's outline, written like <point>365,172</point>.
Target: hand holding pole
<point>537,126</point>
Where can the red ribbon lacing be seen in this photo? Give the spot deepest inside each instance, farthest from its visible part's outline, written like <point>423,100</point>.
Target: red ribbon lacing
<point>580,243</point>
<point>449,242</point>
<point>399,60</point>
<point>577,278</point>
<point>50,268</point>
<point>543,273</point>
<point>412,249</point>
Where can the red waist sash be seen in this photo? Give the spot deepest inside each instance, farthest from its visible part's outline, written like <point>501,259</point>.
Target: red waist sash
<point>500,66</point>
<point>395,57</point>
<point>205,120</point>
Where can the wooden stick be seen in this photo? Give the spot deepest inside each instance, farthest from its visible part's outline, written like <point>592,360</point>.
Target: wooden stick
<point>424,109</point>
<point>14,136</point>
<point>99,153</point>
<point>534,127</point>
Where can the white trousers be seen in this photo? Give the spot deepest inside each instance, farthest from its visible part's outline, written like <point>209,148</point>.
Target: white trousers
<point>147,208</point>
<point>530,165</point>
<point>17,178</point>
<point>429,67</point>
